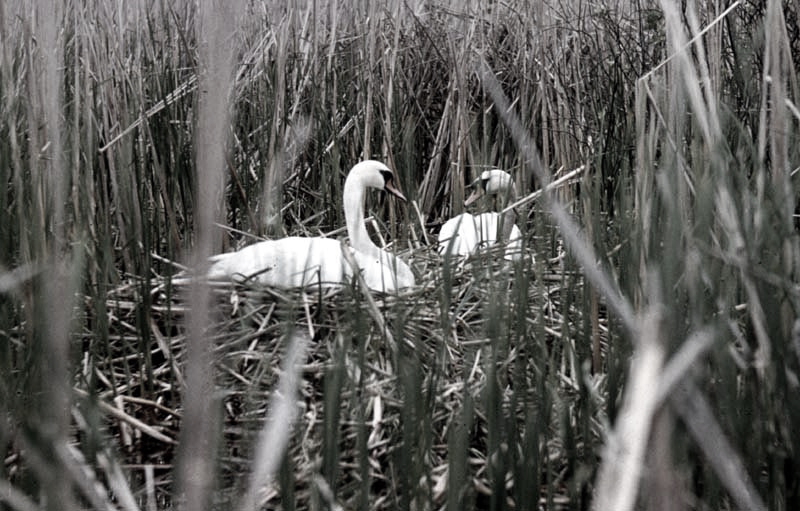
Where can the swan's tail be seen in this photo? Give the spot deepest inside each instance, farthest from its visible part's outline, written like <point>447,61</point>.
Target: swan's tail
<point>219,269</point>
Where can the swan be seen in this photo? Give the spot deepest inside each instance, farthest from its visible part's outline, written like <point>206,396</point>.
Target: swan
<point>298,261</point>
<point>465,234</point>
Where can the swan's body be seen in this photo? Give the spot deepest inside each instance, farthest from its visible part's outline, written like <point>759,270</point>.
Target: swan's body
<point>301,262</point>
<point>466,234</point>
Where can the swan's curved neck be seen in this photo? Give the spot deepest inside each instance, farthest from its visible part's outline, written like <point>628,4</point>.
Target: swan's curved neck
<point>354,192</point>
<point>509,219</point>
<point>507,196</point>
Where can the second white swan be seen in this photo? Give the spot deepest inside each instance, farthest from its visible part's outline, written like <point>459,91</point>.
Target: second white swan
<point>304,261</point>
<point>466,234</point>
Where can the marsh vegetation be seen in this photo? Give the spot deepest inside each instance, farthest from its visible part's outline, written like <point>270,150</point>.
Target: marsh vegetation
<point>647,357</point>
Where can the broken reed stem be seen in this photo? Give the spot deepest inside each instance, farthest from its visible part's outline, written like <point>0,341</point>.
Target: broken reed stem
<point>279,423</point>
<point>712,441</point>
<point>619,475</point>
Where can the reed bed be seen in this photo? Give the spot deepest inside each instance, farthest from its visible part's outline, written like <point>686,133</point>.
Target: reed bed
<point>370,378</point>
<point>645,356</point>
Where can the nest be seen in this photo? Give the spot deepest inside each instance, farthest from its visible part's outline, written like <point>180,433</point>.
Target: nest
<point>391,384</point>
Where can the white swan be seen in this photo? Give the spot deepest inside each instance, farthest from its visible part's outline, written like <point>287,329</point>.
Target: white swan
<point>300,262</point>
<point>466,234</point>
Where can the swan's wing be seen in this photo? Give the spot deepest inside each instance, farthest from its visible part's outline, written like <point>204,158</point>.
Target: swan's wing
<point>447,235</point>
<point>514,248</point>
<point>489,226</point>
<point>384,272</point>
<point>458,236</point>
<point>287,263</point>
<point>295,262</point>
<point>403,276</point>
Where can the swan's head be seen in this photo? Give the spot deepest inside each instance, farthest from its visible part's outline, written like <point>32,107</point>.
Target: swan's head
<point>491,182</point>
<point>374,174</point>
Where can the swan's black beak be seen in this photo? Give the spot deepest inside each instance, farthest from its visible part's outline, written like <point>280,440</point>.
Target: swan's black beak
<point>389,187</point>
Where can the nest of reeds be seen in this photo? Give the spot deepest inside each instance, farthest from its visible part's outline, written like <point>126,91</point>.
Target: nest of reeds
<point>391,386</point>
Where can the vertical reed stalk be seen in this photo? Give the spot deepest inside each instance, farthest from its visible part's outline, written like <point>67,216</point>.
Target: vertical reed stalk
<point>197,467</point>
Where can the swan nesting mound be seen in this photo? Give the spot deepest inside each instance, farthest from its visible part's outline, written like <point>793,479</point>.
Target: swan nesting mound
<point>385,378</point>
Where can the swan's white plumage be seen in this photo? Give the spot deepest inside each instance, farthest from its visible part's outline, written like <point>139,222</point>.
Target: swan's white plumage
<point>286,262</point>
<point>301,262</point>
<point>466,234</point>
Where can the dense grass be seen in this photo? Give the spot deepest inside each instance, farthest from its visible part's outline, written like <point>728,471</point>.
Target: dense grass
<point>648,357</point>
